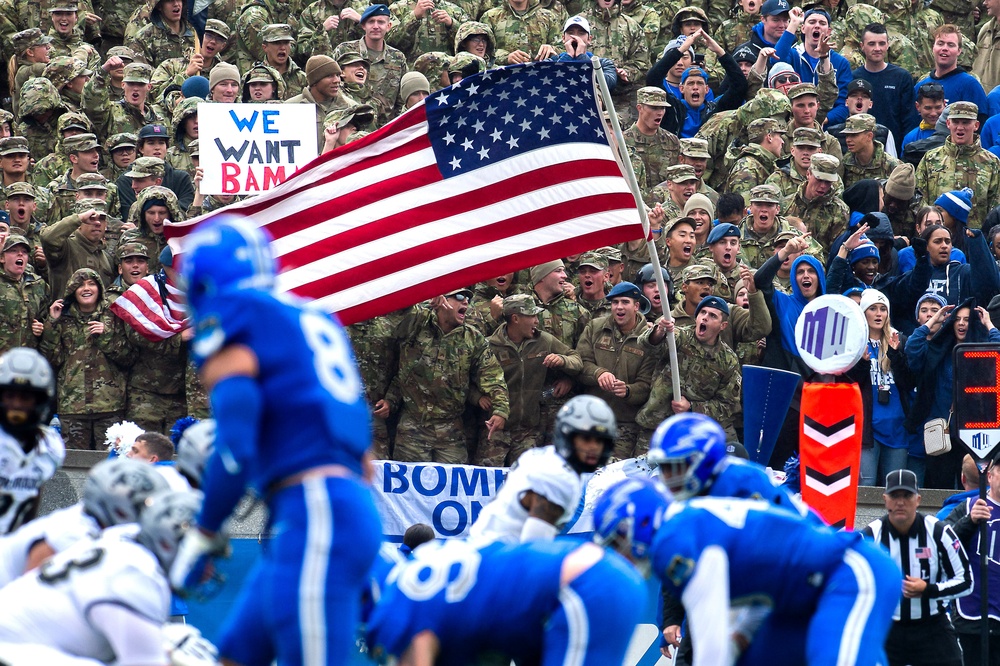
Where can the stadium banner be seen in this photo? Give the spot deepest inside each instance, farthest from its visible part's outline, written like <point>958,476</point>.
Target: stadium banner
<point>830,446</point>
<point>252,148</point>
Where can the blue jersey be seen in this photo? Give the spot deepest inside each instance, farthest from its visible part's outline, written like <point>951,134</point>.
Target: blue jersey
<point>313,407</point>
<point>773,555</point>
<point>492,600</point>
<point>746,480</point>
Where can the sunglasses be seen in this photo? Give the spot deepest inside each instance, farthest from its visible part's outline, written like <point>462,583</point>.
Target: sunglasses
<point>461,298</point>
<point>929,89</point>
<point>786,78</point>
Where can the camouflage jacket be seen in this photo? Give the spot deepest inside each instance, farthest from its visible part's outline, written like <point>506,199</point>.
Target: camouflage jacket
<point>322,108</point>
<point>254,15</point>
<point>75,47</point>
<point>826,217</point>
<point>657,152</point>
<point>525,375</point>
<point>374,343</point>
<point>736,30</point>
<point>563,317</point>
<point>89,368</point>
<point>159,367</point>
<point>415,36</point>
<point>879,168</point>
<point>155,42</point>
<point>787,179</point>
<point>621,39</point>
<point>179,157</point>
<point>830,144</point>
<point>753,168</point>
<point>173,71</point>
<point>63,191</point>
<point>604,348</point>
<point>526,31</point>
<point>438,370</point>
<point>756,247</point>
<point>657,34</point>
<point>66,251</point>
<point>386,71</point>
<point>114,116</point>
<point>952,167</point>
<point>313,39</point>
<point>710,379</point>
<point>21,302</point>
<point>295,81</point>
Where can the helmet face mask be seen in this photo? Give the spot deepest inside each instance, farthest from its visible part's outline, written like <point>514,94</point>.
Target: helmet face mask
<point>25,376</point>
<point>688,447</point>
<point>585,415</point>
<point>676,476</point>
<point>627,516</point>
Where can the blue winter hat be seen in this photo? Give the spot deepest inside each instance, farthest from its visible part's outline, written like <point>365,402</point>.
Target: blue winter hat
<point>374,10</point>
<point>929,296</point>
<point>958,203</point>
<point>863,251</point>
<point>723,230</point>
<point>195,86</point>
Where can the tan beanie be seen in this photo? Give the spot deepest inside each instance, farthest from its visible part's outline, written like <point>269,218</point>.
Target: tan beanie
<point>902,183</point>
<point>539,272</point>
<point>223,72</point>
<point>699,200</point>
<point>319,67</point>
<point>413,82</point>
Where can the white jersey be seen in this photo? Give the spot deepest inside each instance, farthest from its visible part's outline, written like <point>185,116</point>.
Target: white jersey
<point>59,529</point>
<point>175,479</point>
<point>542,471</point>
<point>23,474</point>
<point>55,603</point>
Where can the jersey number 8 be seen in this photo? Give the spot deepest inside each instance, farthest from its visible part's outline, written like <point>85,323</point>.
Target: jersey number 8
<point>332,357</point>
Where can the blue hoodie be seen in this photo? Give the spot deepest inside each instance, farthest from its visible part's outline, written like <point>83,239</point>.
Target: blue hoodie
<point>789,307</point>
<point>786,50</point>
<point>785,310</point>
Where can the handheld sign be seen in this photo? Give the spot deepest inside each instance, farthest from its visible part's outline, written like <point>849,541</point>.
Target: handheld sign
<point>977,397</point>
<point>251,148</point>
<point>831,334</point>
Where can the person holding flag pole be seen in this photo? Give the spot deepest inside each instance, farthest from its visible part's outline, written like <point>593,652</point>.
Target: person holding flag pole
<point>633,184</point>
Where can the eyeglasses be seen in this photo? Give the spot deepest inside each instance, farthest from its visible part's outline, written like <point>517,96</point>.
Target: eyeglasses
<point>786,78</point>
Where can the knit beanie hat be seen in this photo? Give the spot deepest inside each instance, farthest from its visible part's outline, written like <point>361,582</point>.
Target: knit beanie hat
<point>413,82</point>
<point>863,251</point>
<point>958,203</point>
<point>319,67</point>
<point>195,86</point>
<point>539,272</point>
<point>778,69</point>
<point>870,297</point>
<point>223,72</point>
<point>699,200</point>
<point>902,183</point>
<point>929,296</point>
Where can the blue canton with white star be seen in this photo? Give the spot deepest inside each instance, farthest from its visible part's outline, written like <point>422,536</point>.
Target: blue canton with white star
<point>509,111</point>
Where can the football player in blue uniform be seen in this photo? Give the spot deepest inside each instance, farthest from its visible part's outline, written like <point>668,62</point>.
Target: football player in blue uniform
<point>291,423</point>
<point>806,593</point>
<point>541,602</point>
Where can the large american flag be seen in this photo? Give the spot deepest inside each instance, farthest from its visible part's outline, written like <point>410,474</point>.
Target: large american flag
<point>501,171</point>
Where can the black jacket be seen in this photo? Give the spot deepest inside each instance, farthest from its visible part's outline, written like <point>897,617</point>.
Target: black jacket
<point>175,180</point>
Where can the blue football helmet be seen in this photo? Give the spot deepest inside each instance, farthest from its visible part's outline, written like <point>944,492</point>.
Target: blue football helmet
<point>687,448</point>
<point>630,512</point>
<point>225,255</point>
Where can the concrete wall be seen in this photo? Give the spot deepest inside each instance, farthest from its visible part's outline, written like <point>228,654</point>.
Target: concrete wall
<point>65,488</point>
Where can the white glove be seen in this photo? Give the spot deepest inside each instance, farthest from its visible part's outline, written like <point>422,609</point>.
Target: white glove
<point>194,555</point>
<point>187,647</point>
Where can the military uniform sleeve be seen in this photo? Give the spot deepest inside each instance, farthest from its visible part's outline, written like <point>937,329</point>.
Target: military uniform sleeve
<point>638,390</point>
<point>97,102</point>
<point>50,345</point>
<point>114,345</point>
<point>572,361</point>
<point>726,401</point>
<point>753,324</point>
<point>404,36</point>
<point>54,236</point>
<point>488,379</point>
<point>585,347</point>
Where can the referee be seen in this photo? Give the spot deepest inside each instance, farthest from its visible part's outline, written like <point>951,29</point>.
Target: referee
<point>935,571</point>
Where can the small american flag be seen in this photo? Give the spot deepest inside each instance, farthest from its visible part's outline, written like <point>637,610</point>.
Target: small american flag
<point>501,171</point>
<point>956,545</point>
<point>142,307</point>
<point>922,553</point>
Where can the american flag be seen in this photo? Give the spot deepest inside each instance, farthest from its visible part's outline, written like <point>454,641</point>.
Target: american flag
<point>922,553</point>
<point>501,171</point>
<point>143,307</point>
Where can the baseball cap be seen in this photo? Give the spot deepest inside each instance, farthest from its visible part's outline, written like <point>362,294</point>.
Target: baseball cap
<point>16,239</point>
<point>695,147</point>
<point>352,58</point>
<point>901,479</point>
<point>966,110</point>
<point>125,53</point>
<point>144,167</point>
<point>800,89</point>
<point>137,72</point>
<point>681,173</point>
<point>91,181</point>
<point>80,142</point>
<point>859,123</point>
<point>824,167</point>
<point>807,136</point>
<point>859,85</point>
<point>218,27</point>
<point>761,127</point>
<point>775,7</point>
<point>154,131</point>
<point>276,32</point>
<point>765,194</point>
<point>13,145</point>
<point>594,260</point>
<point>712,302</point>
<point>20,189</point>
<point>577,21</point>
<point>521,304</point>
<point>120,140</point>
<point>698,272</point>
<point>126,250</point>
<point>693,71</point>
<point>651,96</point>
<point>25,39</point>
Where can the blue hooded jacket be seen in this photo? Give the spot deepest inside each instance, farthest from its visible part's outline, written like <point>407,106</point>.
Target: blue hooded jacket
<point>785,310</point>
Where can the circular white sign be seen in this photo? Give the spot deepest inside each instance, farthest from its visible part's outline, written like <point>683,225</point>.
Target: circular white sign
<point>831,334</point>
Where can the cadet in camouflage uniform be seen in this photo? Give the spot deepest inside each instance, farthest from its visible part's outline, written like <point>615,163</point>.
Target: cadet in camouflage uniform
<point>96,186</point>
<point>442,361</point>
<point>759,229</point>
<point>18,15</point>
<point>68,75</point>
<point>431,25</point>
<point>486,311</point>
<point>24,296</point>
<point>859,132</point>
<point>121,148</point>
<point>277,44</point>
<point>736,29</point>
<point>87,357</point>
<point>804,99</point>
<point>126,115</point>
<point>179,153</point>
<point>77,241</point>
<point>56,163</point>
<point>680,183</point>
<point>147,233</point>
<point>375,351</point>
<point>757,158</point>
<point>476,38</point>
<point>656,147</point>
<point>326,23</point>
<point>562,317</point>
<point>253,16</point>
<point>710,376</point>
<point>66,38</point>
<point>31,54</point>
<point>116,74</point>
<point>651,23</point>
<point>531,360</point>
<point>902,51</point>
<point>523,28</point>
<point>387,64</point>
<point>616,36</point>
<point>355,78</point>
<point>40,110</point>
<point>962,162</point>
<point>83,157</point>
<point>434,66</point>
<point>694,153</point>
<point>592,272</point>
<point>14,160</point>
<point>21,205</point>
<point>816,203</point>
<point>133,265</point>
<point>174,71</point>
<point>806,142</point>
<point>616,367</point>
<point>166,35</point>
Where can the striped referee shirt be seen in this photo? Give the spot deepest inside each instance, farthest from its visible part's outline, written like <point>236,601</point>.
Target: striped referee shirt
<point>930,551</point>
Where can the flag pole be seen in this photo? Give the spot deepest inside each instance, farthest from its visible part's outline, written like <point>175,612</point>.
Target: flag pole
<point>633,184</point>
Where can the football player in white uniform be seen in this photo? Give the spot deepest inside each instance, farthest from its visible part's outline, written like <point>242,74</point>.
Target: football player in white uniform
<point>543,488</point>
<point>113,494</point>
<point>104,599</point>
<point>30,452</point>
